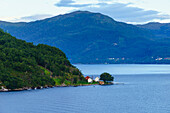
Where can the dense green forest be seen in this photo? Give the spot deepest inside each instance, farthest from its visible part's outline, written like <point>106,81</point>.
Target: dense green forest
<point>23,64</point>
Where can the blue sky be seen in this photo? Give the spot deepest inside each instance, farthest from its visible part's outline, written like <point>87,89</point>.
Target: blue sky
<point>130,11</point>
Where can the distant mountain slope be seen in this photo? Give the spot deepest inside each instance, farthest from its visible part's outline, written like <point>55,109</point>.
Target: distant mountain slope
<point>161,30</point>
<point>88,37</point>
<point>25,65</point>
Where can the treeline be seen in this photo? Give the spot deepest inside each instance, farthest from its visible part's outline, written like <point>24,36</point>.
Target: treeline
<point>23,64</point>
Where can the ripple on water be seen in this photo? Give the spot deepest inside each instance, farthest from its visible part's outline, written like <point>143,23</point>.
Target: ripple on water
<point>144,94</point>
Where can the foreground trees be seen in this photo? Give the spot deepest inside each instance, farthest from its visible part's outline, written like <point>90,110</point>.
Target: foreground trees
<point>23,64</point>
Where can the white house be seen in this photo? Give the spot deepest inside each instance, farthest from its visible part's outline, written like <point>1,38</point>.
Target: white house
<point>3,89</point>
<point>97,79</point>
<point>90,80</point>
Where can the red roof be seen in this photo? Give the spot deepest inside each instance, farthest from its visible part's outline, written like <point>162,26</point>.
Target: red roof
<point>87,77</point>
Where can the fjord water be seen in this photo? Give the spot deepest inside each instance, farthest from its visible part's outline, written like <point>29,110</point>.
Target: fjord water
<point>145,90</point>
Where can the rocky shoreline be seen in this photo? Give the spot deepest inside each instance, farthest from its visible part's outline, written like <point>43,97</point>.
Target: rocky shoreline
<point>62,85</point>
<point>45,87</point>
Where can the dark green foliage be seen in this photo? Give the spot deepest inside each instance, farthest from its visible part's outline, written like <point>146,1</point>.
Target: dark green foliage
<point>75,80</point>
<point>106,77</point>
<point>26,65</point>
<point>12,82</point>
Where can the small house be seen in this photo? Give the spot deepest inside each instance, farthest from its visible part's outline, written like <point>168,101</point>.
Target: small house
<point>3,88</point>
<point>87,77</point>
<point>97,79</point>
<point>90,80</point>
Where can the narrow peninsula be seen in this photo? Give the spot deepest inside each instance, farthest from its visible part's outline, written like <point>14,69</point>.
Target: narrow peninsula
<point>24,66</point>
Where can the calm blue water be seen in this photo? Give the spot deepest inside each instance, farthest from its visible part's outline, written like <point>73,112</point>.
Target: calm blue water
<point>124,69</point>
<point>143,92</point>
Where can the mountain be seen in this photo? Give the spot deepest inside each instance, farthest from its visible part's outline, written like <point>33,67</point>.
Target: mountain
<point>88,37</point>
<point>160,30</point>
<point>23,64</point>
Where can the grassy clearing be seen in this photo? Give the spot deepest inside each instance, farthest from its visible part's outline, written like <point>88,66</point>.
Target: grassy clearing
<point>46,72</point>
<point>86,83</point>
<point>57,81</point>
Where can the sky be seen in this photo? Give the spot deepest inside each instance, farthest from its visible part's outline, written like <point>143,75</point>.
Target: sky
<point>129,11</point>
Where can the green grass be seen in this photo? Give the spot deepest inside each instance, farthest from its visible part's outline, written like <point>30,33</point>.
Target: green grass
<point>86,83</point>
<point>68,83</point>
<point>57,81</point>
<point>46,72</point>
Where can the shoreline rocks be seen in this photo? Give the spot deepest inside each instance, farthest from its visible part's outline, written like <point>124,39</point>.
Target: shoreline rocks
<point>41,87</point>
<point>62,85</point>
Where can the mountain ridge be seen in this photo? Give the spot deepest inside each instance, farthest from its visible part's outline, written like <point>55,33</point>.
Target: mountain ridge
<point>88,37</point>
<point>161,30</point>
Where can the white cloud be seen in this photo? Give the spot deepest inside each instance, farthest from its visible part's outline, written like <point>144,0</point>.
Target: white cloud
<point>15,9</point>
<point>32,18</point>
<point>136,12</point>
<point>70,3</point>
<point>125,12</point>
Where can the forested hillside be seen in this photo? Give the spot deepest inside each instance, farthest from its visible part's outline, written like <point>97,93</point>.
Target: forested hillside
<point>23,64</point>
